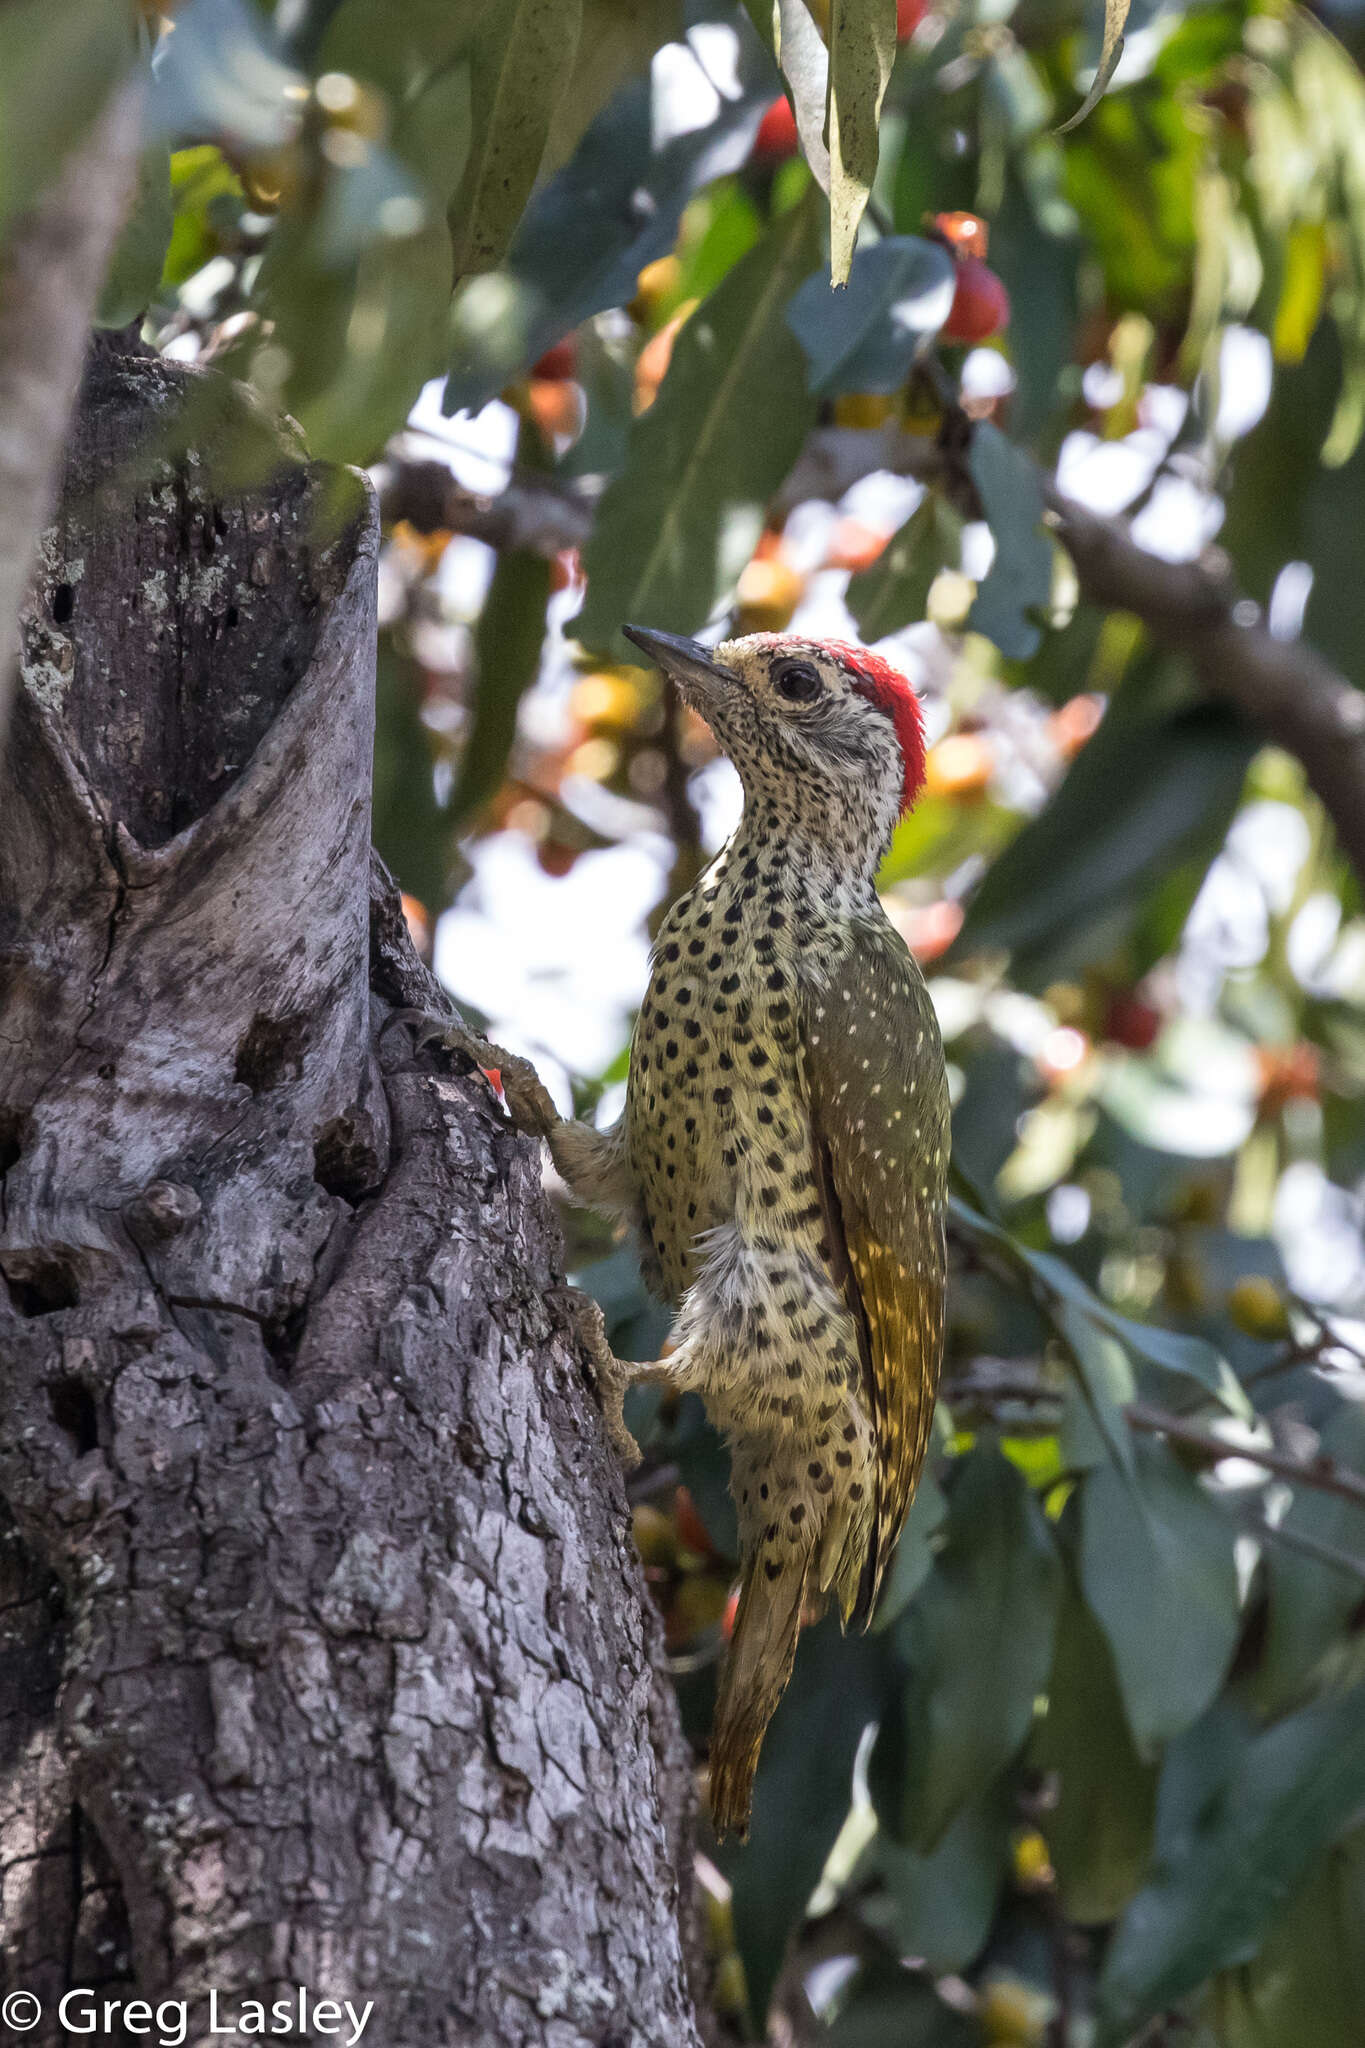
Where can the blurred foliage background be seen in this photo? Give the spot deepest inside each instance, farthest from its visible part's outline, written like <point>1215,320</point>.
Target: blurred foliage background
<point>557,272</point>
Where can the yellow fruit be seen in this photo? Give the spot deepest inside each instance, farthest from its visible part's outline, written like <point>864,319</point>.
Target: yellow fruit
<point>1257,1308</point>
<point>769,592</point>
<point>655,1537</point>
<point>863,408</point>
<point>655,287</point>
<point>1013,2014</point>
<point>959,767</point>
<point>610,697</point>
<point>1032,1862</point>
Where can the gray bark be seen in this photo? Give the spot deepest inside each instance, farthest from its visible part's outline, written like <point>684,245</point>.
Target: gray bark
<point>323,1654</point>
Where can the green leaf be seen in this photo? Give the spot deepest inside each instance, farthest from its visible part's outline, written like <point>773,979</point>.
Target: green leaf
<point>677,525</point>
<point>1215,1892</point>
<point>895,590</point>
<point>1157,784</point>
<point>1307,1983</point>
<point>221,74</point>
<point>1018,584</point>
<point>61,58</point>
<point>1106,1377</point>
<point>521,58</point>
<point>587,235</point>
<point>940,1905</point>
<point>411,830</point>
<point>1100,1831</point>
<point>862,49</point>
<point>978,1638</point>
<point>839,1687</point>
<point>136,266</point>
<point>1159,1576</point>
<point>914,1558</point>
<point>1111,49</point>
<point>507,649</point>
<point>887,2005</point>
<point>1309,1601</point>
<point>1053,1284</point>
<point>865,338</point>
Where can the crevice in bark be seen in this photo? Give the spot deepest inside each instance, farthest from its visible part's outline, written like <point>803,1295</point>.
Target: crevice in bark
<point>313,1538</point>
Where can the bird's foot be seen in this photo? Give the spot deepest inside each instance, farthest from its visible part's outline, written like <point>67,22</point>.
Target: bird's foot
<point>613,1375</point>
<point>528,1100</point>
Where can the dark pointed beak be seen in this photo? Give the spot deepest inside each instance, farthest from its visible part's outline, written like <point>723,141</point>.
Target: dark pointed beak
<point>686,661</point>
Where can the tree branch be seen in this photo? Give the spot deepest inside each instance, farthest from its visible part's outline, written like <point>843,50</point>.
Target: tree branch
<point>1284,689</point>
<point>51,269</point>
<point>1324,1475</point>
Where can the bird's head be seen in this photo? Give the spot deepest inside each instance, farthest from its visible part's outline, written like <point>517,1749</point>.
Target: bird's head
<point>830,734</point>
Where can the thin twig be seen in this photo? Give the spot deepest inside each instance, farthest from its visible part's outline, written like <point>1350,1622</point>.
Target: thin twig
<point>1324,1475</point>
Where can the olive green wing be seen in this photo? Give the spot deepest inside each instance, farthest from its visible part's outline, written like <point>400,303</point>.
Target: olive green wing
<point>879,1115</point>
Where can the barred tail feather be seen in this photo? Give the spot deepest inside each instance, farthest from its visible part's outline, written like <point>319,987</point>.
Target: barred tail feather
<point>762,1650</point>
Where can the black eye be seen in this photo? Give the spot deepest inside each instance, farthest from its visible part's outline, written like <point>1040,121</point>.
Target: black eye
<point>797,681</point>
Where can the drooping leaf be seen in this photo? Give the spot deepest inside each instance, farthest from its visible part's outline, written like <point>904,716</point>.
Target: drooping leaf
<point>1100,1830</point>
<point>914,1558</point>
<point>677,525</point>
<point>135,269</point>
<point>865,338</point>
<point>507,644</point>
<point>1111,49</point>
<point>222,73</point>
<point>862,49</point>
<point>839,1687</point>
<point>1157,1568</point>
<point>1291,1792</point>
<point>1018,585</point>
<point>978,1639</point>
<point>1054,1284</point>
<point>804,58</point>
<point>939,1904</point>
<point>521,58</point>
<point>1306,1984</point>
<point>587,235</point>
<point>1309,1600</point>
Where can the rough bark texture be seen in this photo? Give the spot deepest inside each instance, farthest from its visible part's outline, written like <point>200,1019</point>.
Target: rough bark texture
<point>323,1658</point>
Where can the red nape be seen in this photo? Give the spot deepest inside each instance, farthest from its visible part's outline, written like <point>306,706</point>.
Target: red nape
<point>885,686</point>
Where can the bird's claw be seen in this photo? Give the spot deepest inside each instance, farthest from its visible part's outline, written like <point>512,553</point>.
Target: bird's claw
<point>511,1077</point>
<point>613,1374</point>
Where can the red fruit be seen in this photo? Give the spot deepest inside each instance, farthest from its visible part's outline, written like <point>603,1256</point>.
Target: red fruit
<point>1130,1021</point>
<point>777,138</point>
<point>559,362</point>
<point>965,233</point>
<point>689,1524</point>
<point>909,15</point>
<point>981,305</point>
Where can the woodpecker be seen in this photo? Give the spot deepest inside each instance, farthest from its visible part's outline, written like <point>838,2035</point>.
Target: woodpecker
<point>783,1152</point>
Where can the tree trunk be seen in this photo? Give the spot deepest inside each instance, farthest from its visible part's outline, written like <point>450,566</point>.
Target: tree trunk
<point>323,1655</point>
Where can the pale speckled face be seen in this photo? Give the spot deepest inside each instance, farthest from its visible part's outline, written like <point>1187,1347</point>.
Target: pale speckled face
<point>826,732</point>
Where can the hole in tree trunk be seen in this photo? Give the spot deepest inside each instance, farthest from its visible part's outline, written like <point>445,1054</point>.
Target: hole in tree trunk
<point>13,1132</point>
<point>271,1047</point>
<point>42,1281</point>
<point>73,1411</point>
